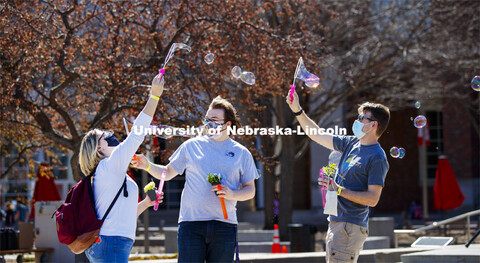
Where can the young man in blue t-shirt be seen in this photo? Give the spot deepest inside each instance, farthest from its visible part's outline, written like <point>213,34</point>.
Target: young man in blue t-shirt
<point>359,179</point>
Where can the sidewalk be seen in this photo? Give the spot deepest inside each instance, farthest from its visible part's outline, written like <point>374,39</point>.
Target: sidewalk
<point>455,253</point>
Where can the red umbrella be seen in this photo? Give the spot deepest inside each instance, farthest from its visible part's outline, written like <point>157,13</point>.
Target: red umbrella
<point>45,187</point>
<point>446,192</point>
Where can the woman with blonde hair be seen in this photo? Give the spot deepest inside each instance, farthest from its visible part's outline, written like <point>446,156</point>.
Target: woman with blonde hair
<point>103,156</point>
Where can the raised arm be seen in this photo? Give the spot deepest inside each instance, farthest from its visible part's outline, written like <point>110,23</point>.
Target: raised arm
<point>123,153</point>
<point>325,140</point>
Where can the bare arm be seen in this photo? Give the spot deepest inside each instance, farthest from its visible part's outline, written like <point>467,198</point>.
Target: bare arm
<point>145,203</point>
<point>156,90</point>
<point>155,170</point>
<point>306,123</point>
<point>246,192</point>
<point>369,197</point>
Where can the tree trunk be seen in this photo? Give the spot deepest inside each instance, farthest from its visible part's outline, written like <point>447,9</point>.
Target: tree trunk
<point>77,173</point>
<point>286,185</point>
<point>269,195</point>
<point>287,157</point>
<point>269,176</point>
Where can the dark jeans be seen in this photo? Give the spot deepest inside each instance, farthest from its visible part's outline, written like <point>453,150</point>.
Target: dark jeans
<point>210,241</point>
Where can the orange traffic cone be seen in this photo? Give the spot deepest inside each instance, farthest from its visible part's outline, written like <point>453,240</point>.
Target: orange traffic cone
<point>284,249</point>
<point>276,240</point>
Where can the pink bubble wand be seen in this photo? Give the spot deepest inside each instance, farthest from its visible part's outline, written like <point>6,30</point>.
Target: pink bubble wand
<point>297,70</point>
<point>160,190</point>
<point>324,191</point>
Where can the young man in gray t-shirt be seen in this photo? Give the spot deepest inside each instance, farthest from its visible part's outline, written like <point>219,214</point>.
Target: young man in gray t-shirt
<point>359,180</point>
<point>204,234</point>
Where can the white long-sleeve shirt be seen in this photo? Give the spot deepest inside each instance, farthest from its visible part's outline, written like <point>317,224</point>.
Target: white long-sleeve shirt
<point>109,177</point>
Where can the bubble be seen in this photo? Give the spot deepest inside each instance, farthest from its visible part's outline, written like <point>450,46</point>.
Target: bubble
<point>401,153</point>
<point>394,152</point>
<point>418,104</point>
<point>476,83</point>
<point>302,73</point>
<point>209,58</point>
<point>248,77</point>
<point>173,48</point>
<point>236,72</point>
<point>334,157</point>
<point>312,82</point>
<point>420,121</point>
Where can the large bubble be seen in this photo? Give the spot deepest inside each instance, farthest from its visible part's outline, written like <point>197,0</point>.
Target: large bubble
<point>236,72</point>
<point>394,152</point>
<point>302,73</point>
<point>420,121</point>
<point>248,77</point>
<point>401,153</point>
<point>476,83</point>
<point>334,157</point>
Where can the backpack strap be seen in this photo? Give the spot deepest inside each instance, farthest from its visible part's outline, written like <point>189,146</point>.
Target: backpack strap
<point>124,185</point>
<point>92,198</point>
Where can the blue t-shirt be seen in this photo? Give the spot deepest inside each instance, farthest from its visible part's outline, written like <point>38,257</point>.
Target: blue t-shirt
<point>359,166</point>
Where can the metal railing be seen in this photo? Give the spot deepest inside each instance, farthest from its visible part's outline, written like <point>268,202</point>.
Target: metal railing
<point>438,224</point>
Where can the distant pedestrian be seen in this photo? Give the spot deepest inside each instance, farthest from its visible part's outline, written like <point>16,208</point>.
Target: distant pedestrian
<point>10,215</point>
<point>21,211</point>
<point>275,208</point>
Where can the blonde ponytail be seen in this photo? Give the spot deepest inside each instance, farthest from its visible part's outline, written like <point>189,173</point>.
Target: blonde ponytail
<point>89,156</point>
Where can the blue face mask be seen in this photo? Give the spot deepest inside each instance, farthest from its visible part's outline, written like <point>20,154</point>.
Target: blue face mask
<point>112,140</point>
<point>357,129</point>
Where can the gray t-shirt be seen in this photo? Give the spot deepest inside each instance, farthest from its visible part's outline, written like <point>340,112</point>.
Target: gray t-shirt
<point>360,166</point>
<point>200,156</point>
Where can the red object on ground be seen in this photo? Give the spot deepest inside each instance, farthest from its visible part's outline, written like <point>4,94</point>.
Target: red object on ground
<point>45,187</point>
<point>276,240</point>
<point>222,201</point>
<point>284,249</point>
<point>446,192</point>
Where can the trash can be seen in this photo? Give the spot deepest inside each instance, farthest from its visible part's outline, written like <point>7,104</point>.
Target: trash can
<point>302,237</point>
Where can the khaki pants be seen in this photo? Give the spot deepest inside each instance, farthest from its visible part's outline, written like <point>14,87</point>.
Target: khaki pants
<point>344,241</point>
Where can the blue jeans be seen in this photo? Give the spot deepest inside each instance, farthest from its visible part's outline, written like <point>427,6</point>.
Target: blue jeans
<point>110,249</point>
<point>211,241</point>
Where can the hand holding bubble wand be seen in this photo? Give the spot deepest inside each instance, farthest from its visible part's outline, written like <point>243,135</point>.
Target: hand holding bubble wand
<point>215,179</point>
<point>301,72</point>
<point>153,193</point>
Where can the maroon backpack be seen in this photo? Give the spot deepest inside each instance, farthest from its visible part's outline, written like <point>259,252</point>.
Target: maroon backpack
<point>78,225</point>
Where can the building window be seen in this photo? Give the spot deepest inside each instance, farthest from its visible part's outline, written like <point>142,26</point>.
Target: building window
<point>436,142</point>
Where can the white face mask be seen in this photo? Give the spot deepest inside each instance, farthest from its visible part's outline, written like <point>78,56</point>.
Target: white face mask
<point>357,129</point>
